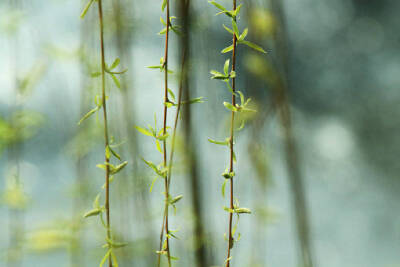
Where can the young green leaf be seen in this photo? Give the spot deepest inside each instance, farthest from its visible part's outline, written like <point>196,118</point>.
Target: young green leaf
<point>254,46</point>
<point>115,153</point>
<point>93,212</point>
<point>172,95</point>
<point>217,5</point>
<point>235,29</point>
<point>194,100</point>
<point>152,183</point>
<point>95,74</point>
<point>222,143</point>
<point>241,126</point>
<point>113,244</point>
<point>226,67</point>
<point>114,259</point>
<point>115,63</point>
<point>230,106</point>
<point>162,137</point>
<point>118,72</point>
<point>174,258</point>
<point>106,256</point>
<point>241,97</point>
<point>169,104</point>
<point>96,203</point>
<point>163,31</point>
<point>155,67</point>
<point>237,10</point>
<point>101,166</point>
<point>227,49</point>
<point>228,29</point>
<point>85,10</point>
<point>119,167</point>
<point>164,4</point>
<point>242,210</point>
<point>144,131</point>
<point>151,165</point>
<point>116,81</point>
<point>223,188</point>
<point>218,75</point>
<point>158,145</point>
<point>243,35</point>
<point>87,115</point>
<point>163,22</point>
<point>176,199</point>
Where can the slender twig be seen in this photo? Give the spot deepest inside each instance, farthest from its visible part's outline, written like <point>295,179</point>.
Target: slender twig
<point>106,138</point>
<point>237,38</point>
<point>171,155</point>
<point>230,240</point>
<point>166,184</point>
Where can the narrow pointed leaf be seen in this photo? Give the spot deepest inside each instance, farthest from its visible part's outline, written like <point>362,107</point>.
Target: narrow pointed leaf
<point>119,167</point>
<point>105,257</point>
<point>222,143</point>
<point>235,29</point>
<point>116,81</point>
<point>93,212</point>
<point>254,46</point>
<point>228,29</point>
<point>85,10</point>
<point>243,35</point>
<point>242,210</point>
<point>144,131</point>
<point>230,106</point>
<point>217,5</point>
<point>115,63</point>
<point>90,113</point>
<point>227,49</point>
<point>226,67</point>
<point>176,199</point>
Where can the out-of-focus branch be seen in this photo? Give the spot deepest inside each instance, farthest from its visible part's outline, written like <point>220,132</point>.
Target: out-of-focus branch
<point>185,14</point>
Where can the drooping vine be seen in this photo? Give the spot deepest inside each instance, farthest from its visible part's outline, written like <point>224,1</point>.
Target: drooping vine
<point>164,169</point>
<point>229,78</point>
<point>161,170</point>
<point>109,168</point>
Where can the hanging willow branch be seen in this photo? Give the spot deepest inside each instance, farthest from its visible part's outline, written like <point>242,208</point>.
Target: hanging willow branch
<point>229,77</point>
<point>109,168</point>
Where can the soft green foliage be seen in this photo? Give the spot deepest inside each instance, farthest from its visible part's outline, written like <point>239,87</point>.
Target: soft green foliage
<point>31,79</point>
<point>10,21</point>
<point>50,237</point>
<point>21,126</point>
<point>13,195</point>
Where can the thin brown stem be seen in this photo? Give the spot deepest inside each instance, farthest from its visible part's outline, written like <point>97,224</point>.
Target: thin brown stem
<point>106,139</point>
<point>230,240</point>
<point>166,184</point>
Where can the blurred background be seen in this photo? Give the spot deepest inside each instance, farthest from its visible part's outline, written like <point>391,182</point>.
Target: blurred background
<point>317,164</point>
